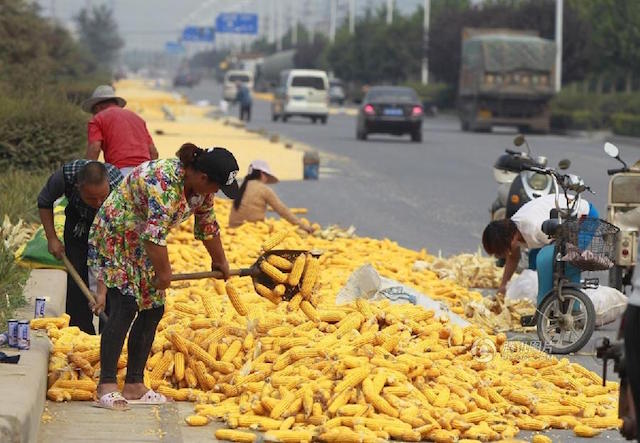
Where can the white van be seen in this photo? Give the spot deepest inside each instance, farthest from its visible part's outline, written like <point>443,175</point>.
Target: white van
<point>304,93</point>
<point>231,78</point>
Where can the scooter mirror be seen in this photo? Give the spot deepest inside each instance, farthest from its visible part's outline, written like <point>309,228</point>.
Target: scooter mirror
<point>611,150</point>
<point>519,140</point>
<point>564,164</point>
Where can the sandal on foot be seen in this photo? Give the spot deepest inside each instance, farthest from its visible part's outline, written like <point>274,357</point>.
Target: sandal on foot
<point>150,398</point>
<point>108,401</point>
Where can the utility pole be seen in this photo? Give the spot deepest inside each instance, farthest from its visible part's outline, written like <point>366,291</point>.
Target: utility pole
<point>272,21</point>
<point>425,42</point>
<point>279,35</point>
<point>332,21</point>
<point>311,24</point>
<point>389,12</point>
<point>294,23</point>
<point>352,16</point>
<point>559,12</point>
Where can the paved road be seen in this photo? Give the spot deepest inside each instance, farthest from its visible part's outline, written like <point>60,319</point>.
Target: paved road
<point>433,194</point>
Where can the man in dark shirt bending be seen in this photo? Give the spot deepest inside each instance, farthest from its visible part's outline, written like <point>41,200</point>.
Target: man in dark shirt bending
<point>86,184</point>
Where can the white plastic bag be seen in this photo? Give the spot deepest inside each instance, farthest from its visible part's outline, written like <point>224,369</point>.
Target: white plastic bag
<point>609,304</point>
<point>524,287</point>
<point>365,282</point>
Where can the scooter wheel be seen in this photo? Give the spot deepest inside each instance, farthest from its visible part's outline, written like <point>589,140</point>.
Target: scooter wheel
<point>565,333</point>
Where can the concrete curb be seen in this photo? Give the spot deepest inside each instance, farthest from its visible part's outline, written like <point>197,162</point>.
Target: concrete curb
<point>23,386</point>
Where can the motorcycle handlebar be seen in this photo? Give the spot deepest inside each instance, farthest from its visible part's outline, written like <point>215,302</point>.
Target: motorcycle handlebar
<point>615,171</point>
<point>512,152</point>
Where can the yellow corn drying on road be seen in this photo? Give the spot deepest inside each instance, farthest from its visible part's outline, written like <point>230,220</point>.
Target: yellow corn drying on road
<point>366,370</point>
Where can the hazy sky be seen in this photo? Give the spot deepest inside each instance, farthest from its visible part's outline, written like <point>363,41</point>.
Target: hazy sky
<point>148,24</point>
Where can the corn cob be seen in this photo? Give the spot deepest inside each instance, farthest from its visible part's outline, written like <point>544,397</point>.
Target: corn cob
<point>283,405</point>
<point>160,370</point>
<point>81,395</point>
<point>539,438</point>
<point>85,385</point>
<point>608,422</point>
<point>178,366</point>
<point>309,278</point>
<point>296,270</point>
<point>274,240</point>
<point>295,301</point>
<point>280,262</point>
<point>279,290</point>
<point>267,293</point>
<point>58,394</point>
<point>236,436</point>
<point>180,343</point>
<point>232,351</point>
<point>235,300</point>
<point>291,436</point>
<point>275,274</point>
<point>79,362</point>
<point>309,311</point>
<point>353,378</point>
<point>585,431</point>
<point>196,420</point>
<point>376,400</point>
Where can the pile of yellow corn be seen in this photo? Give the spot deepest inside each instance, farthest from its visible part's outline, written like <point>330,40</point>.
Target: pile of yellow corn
<point>359,372</point>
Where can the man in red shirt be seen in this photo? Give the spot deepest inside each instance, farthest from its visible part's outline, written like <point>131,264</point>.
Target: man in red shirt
<point>120,134</point>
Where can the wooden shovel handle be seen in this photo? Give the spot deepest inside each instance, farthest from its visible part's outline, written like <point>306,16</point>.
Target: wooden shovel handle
<point>81,284</point>
<point>244,272</point>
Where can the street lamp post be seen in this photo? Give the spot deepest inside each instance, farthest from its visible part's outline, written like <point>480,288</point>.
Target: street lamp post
<point>425,42</point>
<point>352,16</point>
<point>389,12</point>
<point>332,20</point>
<point>559,12</point>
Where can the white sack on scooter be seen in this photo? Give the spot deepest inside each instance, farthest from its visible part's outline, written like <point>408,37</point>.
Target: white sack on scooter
<point>609,304</point>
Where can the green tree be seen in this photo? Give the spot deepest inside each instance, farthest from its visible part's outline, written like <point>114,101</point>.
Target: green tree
<point>615,36</point>
<point>35,53</point>
<point>98,30</point>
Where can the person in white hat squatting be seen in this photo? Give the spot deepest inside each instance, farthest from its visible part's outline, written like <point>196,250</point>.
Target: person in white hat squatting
<point>120,134</point>
<point>251,203</point>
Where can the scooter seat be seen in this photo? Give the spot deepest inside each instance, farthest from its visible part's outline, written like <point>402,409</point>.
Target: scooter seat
<point>550,227</point>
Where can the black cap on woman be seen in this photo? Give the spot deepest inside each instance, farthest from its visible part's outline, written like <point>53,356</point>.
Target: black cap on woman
<point>216,165</point>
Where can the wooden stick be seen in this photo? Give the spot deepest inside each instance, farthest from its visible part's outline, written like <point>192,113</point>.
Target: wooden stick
<point>81,284</point>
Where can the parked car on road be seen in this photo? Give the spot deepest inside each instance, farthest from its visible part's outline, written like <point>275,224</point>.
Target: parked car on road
<point>231,78</point>
<point>337,92</point>
<point>303,93</point>
<point>390,110</point>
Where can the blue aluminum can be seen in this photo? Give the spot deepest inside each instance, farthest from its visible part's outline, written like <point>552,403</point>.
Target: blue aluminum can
<point>12,332</point>
<point>40,305</point>
<point>24,334</point>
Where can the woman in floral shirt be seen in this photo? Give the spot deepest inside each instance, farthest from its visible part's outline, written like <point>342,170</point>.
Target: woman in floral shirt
<point>128,251</point>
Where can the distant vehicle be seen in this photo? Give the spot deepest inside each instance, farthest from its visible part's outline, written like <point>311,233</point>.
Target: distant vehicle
<point>269,70</point>
<point>303,93</point>
<point>185,79</point>
<point>390,110</point>
<point>506,78</point>
<point>231,78</point>
<point>337,93</point>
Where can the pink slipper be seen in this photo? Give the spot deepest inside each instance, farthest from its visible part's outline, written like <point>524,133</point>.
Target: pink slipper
<point>150,398</point>
<point>108,401</point>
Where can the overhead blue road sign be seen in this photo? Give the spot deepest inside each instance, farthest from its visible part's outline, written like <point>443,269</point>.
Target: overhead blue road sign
<point>198,34</point>
<point>237,23</point>
<point>173,48</point>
